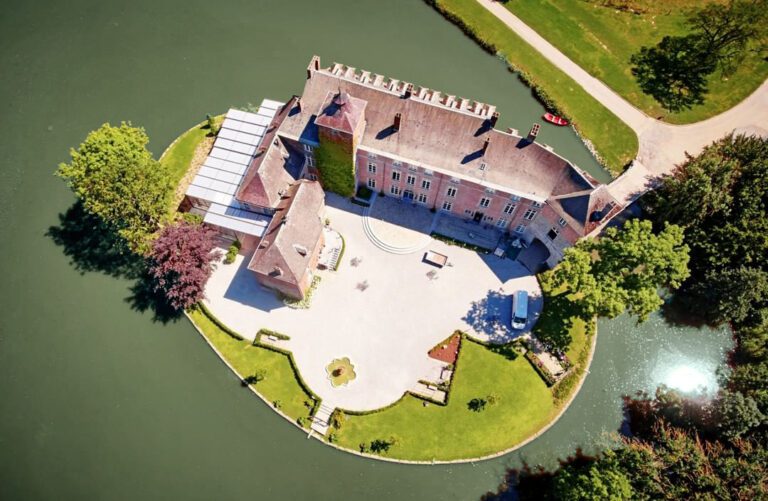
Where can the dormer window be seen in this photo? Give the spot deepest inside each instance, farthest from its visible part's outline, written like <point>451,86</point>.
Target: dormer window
<point>301,249</point>
<point>483,166</point>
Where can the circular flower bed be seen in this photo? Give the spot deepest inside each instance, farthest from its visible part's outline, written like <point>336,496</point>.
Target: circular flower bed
<point>340,371</point>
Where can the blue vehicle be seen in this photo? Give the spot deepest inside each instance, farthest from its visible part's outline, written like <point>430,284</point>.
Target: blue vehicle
<point>519,309</point>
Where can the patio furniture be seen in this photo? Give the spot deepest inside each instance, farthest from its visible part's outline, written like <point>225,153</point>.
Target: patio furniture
<point>435,258</point>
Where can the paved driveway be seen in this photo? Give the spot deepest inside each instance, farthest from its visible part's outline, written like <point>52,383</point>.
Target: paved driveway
<point>387,329</point>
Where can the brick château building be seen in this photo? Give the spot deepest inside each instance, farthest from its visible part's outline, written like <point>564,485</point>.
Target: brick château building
<point>439,151</point>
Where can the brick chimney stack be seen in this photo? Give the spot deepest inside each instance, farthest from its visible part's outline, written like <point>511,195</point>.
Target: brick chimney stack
<point>314,65</point>
<point>494,118</point>
<point>396,125</point>
<point>534,132</point>
<point>486,144</point>
<point>408,91</point>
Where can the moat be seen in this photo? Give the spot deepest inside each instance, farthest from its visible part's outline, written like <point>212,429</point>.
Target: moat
<point>102,401</point>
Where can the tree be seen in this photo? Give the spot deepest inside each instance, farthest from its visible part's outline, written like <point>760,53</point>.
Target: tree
<point>623,270</point>
<point>117,179</point>
<point>736,414</point>
<point>600,480</point>
<point>674,72</point>
<point>182,259</point>
<point>733,294</point>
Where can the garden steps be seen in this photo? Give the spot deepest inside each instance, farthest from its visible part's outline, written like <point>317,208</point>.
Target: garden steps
<point>375,240</point>
<point>321,421</point>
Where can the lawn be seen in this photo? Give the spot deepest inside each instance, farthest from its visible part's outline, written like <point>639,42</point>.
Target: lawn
<point>178,157</point>
<point>524,405</point>
<point>279,383</point>
<point>613,140</point>
<point>602,39</point>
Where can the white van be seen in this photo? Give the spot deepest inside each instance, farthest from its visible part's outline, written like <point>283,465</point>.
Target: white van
<point>519,309</point>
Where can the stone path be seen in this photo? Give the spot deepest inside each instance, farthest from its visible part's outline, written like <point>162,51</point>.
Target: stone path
<point>662,145</point>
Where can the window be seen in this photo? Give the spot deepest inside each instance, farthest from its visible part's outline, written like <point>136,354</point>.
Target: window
<point>397,163</point>
<point>447,206</point>
<point>372,183</point>
<point>310,160</point>
<point>483,166</point>
<point>484,202</point>
<point>422,198</point>
<point>538,205</point>
<point>514,198</point>
<point>488,219</point>
<point>469,212</point>
<point>451,192</point>
<point>372,168</point>
<point>455,180</point>
<point>308,148</point>
<point>395,190</point>
<point>312,177</point>
<point>490,191</point>
<point>509,208</point>
<point>413,167</point>
<point>501,223</point>
<point>520,228</point>
<point>425,184</point>
<point>371,155</point>
<point>561,222</point>
<point>411,180</point>
<point>428,172</point>
<point>529,214</point>
<point>395,175</point>
<point>552,234</point>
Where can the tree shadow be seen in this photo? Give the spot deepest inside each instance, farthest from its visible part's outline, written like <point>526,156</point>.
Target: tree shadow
<point>93,246</point>
<point>556,321</point>
<point>491,316</point>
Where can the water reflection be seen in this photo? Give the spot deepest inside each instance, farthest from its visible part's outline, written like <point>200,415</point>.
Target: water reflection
<point>688,378</point>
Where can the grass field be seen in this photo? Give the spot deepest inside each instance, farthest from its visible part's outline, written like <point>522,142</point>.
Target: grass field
<point>602,39</point>
<point>613,140</point>
<point>454,431</point>
<point>279,383</point>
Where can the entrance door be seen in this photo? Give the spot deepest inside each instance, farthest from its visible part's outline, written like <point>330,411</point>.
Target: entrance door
<point>478,217</point>
<point>408,195</point>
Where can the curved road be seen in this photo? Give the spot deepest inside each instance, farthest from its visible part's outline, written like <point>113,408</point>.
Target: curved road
<point>662,145</point>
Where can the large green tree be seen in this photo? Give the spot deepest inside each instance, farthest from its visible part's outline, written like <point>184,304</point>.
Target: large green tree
<point>116,178</point>
<point>624,269</point>
<point>598,481</point>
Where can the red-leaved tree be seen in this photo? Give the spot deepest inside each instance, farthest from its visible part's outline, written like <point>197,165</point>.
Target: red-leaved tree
<point>182,259</point>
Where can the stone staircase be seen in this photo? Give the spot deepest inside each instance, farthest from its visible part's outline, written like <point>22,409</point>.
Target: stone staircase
<point>375,240</point>
<point>333,261</point>
<point>321,421</point>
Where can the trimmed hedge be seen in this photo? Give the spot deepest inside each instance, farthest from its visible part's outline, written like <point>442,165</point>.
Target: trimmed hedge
<point>459,243</point>
<point>341,252</point>
<point>218,322</point>
<point>548,378</point>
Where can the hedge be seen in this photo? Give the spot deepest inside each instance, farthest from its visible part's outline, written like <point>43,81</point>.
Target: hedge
<point>221,325</point>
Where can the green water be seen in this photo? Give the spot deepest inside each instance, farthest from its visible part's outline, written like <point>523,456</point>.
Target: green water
<point>97,401</point>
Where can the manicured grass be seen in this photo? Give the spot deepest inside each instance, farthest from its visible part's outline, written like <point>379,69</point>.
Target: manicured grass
<point>454,431</point>
<point>613,140</point>
<point>279,383</point>
<point>602,40</point>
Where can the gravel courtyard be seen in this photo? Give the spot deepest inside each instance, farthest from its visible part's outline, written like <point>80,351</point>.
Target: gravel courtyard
<point>386,329</point>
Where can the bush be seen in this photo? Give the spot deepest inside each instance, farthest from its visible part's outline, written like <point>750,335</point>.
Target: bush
<point>232,252</point>
<point>258,376</point>
<point>363,192</point>
<point>210,123</point>
<point>547,376</point>
<point>477,404</point>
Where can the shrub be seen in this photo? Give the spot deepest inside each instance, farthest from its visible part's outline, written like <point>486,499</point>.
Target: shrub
<point>258,376</point>
<point>363,192</point>
<point>302,421</point>
<point>337,419</point>
<point>232,252</point>
<point>211,125</point>
<point>277,404</point>
<point>477,404</point>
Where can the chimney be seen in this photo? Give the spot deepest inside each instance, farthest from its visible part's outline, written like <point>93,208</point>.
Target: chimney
<point>534,132</point>
<point>396,125</point>
<point>298,103</point>
<point>494,118</point>
<point>485,144</point>
<point>314,65</point>
<point>408,91</point>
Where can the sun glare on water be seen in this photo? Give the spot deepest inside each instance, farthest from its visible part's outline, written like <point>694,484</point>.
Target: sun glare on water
<point>687,379</point>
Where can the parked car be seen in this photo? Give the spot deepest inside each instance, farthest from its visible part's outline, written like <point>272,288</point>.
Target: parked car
<point>519,309</point>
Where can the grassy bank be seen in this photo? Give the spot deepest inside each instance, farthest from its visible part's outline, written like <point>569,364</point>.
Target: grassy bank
<point>602,39</point>
<point>613,140</point>
<point>279,383</point>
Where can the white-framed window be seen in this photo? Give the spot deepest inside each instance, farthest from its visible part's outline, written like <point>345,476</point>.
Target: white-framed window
<point>425,184</point>
<point>509,208</point>
<point>447,206</point>
<point>469,212</point>
<point>488,219</point>
<point>372,167</point>
<point>514,198</point>
<point>484,202</point>
<point>413,168</point>
<point>310,160</point>
<point>483,166</point>
<point>372,155</point>
<point>538,205</point>
<point>395,190</point>
<point>529,215</point>
<point>451,192</point>
<point>397,163</point>
<point>552,233</point>
<point>501,223</point>
<point>307,148</point>
<point>490,191</point>
<point>455,180</point>
<point>422,198</point>
<point>312,177</point>
<point>411,180</point>
<point>520,228</point>
<point>395,175</point>
<point>371,183</point>
<point>562,222</point>
<point>428,172</point>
